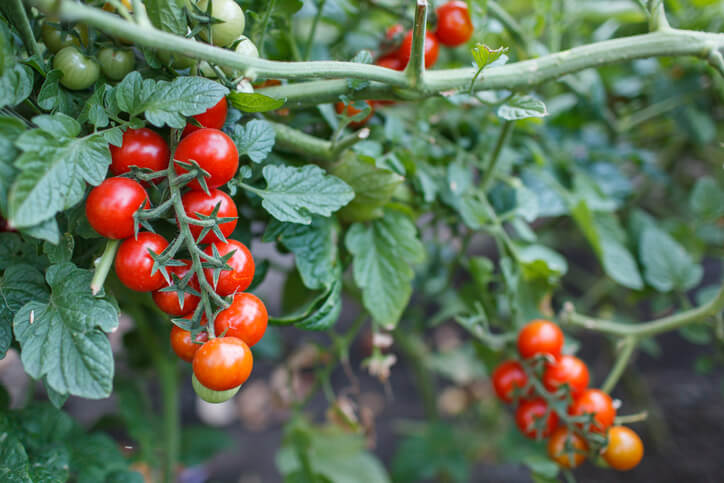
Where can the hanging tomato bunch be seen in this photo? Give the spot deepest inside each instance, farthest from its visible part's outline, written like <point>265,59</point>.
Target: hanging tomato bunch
<point>552,400</point>
<point>454,28</point>
<point>204,159</point>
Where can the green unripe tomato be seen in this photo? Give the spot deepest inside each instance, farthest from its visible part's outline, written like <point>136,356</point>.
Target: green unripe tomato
<point>175,60</point>
<point>246,48</point>
<point>211,396</point>
<point>116,63</point>
<point>55,39</point>
<point>232,21</point>
<point>79,71</point>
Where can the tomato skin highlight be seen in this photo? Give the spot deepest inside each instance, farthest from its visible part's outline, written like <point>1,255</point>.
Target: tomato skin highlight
<point>432,48</point>
<point>625,448</point>
<point>110,207</point>
<point>133,262</point>
<point>567,370</point>
<point>214,151</point>
<point>79,71</point>
<point>141,147</point>
<point>600,404</point>
<point>540,337</point>
<point>241,262</point>
<point>530,411</point>
<point>214,117</point>
<point>223,363</point>
<point>246,319</point>
<point>353,111</point>
<point>168,301</point>
<point>454,26</point>
<point>557,448</point>
<point>199,202</point>
<point>506,377</point>
<point>182,344</point>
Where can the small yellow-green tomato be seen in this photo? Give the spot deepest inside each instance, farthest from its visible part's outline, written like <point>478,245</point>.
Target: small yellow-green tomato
<point>231,25</point>
<point>79,71</point>
<point>206,70</point>
<point>246,48</point>
<point>211,396</point>
<point>116,63</point>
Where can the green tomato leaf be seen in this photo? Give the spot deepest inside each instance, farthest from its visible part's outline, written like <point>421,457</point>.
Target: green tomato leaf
<point>707,199</point>
<point>167,103</point>
<point>19,285</point>
<point>667,266</point>
<point>383,252</point>
<point>373,188</point>
<point>538,261</point>
<point>294,194</point>
<point>53,168</point>
<point>168,15</point>
<point>63,339</point>
<point>254,102</point>
<point>320,314</point>
<point>522,107</point>
<point>14,464</point>
<point>10,129</point>
<point>254,139</point>
<point>314,247</point>
<point>484,55</point>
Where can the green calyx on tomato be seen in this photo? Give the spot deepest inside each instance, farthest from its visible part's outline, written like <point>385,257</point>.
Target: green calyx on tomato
<point>211,396</point>
<point>79,71</point>
<point>231,25</point>
<point>116,63</point>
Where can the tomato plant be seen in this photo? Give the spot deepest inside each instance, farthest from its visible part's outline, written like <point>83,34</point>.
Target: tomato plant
<point>381,240</point>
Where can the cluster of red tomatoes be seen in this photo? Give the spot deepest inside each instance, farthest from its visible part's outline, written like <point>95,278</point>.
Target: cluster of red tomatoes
<point>454,28</point>
<point>544,375</point>
<point>220,364</point>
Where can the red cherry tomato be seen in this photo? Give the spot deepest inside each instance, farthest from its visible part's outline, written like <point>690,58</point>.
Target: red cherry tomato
<point>214,117</point>
<point>110,207</point>
<point>625,449</point>
<point>393,30</point>
<point>540,337</point>
<point>182,344</point>
<point>353,111</point>
<point>168,301</point>
<point>134,262</point>
<point>432,47</point>
<point>569,455</point>
<point>241,262</point>
<point>245,319</point>
<point>529,412</point>
<point>223,363</point>
<point>141,147</point>
<point>567,370</point>
<point>214,151</point>
<point>506,377</point>
<point>199,202</point>
<point>454,26</point>
<point>598,403</point>
<point>390,62</point>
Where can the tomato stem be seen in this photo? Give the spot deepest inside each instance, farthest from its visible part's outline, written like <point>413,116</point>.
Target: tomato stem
<point>416,66</point>
<point>628,345</point>
<point>103,266</point>
<point>489,173</point>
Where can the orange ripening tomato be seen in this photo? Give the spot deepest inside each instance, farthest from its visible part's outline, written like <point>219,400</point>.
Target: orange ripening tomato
<point>625,449</point>
<point>223,363</point>
<point>182,344</point>
<point>559,453</point>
